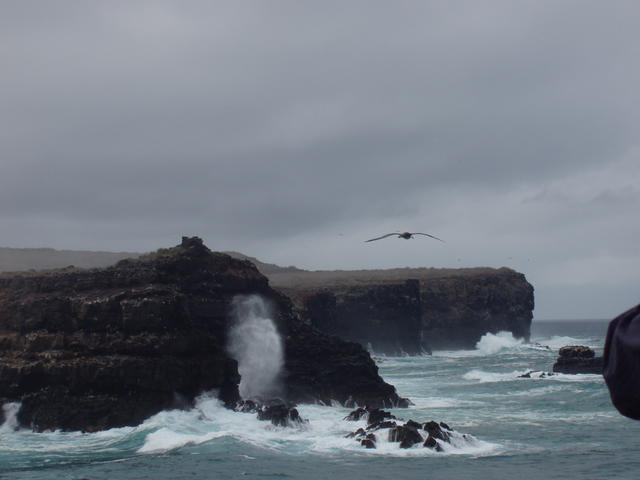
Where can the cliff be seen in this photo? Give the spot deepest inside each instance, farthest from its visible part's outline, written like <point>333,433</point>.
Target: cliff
<point>95,349</point>
<point>396,310</point>
<point>412,310</point>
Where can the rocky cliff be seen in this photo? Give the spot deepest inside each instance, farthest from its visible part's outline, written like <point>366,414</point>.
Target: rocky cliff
<point>94,349</point>
<point>412,310</point>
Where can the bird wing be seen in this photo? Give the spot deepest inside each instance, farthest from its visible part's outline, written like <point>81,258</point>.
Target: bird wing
<point>427,235</point>
<point>383,236</point>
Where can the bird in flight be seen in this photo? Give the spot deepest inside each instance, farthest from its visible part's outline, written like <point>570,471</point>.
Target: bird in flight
<point>405,235</point>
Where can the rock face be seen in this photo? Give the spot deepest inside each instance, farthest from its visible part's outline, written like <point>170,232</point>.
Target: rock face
<point>578,359</point>
<point>95,349</point>
<point>458,310</point>
<point>438,309</point>
<point>385,317</point>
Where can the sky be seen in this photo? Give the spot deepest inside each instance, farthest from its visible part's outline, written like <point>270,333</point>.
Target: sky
<point>292,131</point>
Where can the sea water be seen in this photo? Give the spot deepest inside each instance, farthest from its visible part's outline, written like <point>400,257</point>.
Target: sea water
<point>543,427</point>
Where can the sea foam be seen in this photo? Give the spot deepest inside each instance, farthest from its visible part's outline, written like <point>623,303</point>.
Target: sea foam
<point>490,343</point>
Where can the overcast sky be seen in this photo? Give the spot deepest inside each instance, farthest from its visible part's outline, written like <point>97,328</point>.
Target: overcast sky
<point>293,131</point>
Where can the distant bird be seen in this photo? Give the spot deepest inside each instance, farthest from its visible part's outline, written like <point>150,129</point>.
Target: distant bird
<point>405,235</point>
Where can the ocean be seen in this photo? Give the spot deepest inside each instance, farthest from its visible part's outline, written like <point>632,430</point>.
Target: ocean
<point>543,427</point>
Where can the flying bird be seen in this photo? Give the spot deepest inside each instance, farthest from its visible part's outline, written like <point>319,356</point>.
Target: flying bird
<point>405,235</point>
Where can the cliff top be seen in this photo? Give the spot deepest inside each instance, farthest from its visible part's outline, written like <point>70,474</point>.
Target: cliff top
<point>320,278</point>
<point>43,261</point>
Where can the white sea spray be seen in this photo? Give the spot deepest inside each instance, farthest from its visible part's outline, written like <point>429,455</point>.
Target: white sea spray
<point>255,343</point>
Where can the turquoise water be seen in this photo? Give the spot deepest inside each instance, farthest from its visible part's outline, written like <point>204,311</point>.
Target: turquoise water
<point>555,427</point>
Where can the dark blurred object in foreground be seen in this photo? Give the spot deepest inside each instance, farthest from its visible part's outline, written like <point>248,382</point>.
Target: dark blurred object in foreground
<point>622,362</point>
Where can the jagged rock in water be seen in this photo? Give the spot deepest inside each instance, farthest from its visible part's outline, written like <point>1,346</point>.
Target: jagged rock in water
<point>435,430</point>
<point>574,359</point>
<point>431,443</point>
<point>369,441</point>
<point>381,425</point>
<point>407,435</point>
<point>376,416</point>
<point>356,415</point>
<point>102,348</point>
<point>280,415</point>
<point>359,432</point>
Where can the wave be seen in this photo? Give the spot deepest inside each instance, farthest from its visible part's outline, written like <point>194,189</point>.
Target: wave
<point>166,439</point>
<point>440,402</point>
<point>556,342</point>
<point>10,411</point>
<point>482,376</point>
<point>504,342</point>
<point>489,344</point>
<point>209,422</point>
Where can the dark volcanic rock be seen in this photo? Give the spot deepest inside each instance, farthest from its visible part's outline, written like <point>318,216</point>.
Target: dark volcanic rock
<point>376,416</point>
<point>436,430</point>
<point>357,433</point>
<point>367,443</point>
<point>95,349</point>
<point>431,443</point>
<point>457,310</point>
<point>386,317</point>
<point>380,425</point>
<point>429,434</point>
<point>356,415</point>
<point>407,435</point>
<point>280,415</point>
<point>575,359</point>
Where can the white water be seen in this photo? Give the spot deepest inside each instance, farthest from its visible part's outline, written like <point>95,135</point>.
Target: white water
<point>324,434</point>
<point>255,343</point>
<point>10,411</point>
<point>490,343</point>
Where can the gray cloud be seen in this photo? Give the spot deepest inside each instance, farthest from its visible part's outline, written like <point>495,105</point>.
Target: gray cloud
<point>274,127</point>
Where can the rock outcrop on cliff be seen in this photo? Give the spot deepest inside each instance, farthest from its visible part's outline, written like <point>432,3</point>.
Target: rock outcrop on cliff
<point>94,349</point>
<point>412,310</point>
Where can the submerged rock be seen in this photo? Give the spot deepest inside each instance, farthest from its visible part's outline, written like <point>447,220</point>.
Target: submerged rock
<point>576,359</point>
<point>103,348</point>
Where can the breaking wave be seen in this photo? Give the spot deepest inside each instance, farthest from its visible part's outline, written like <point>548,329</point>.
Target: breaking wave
<point>490,344</point>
